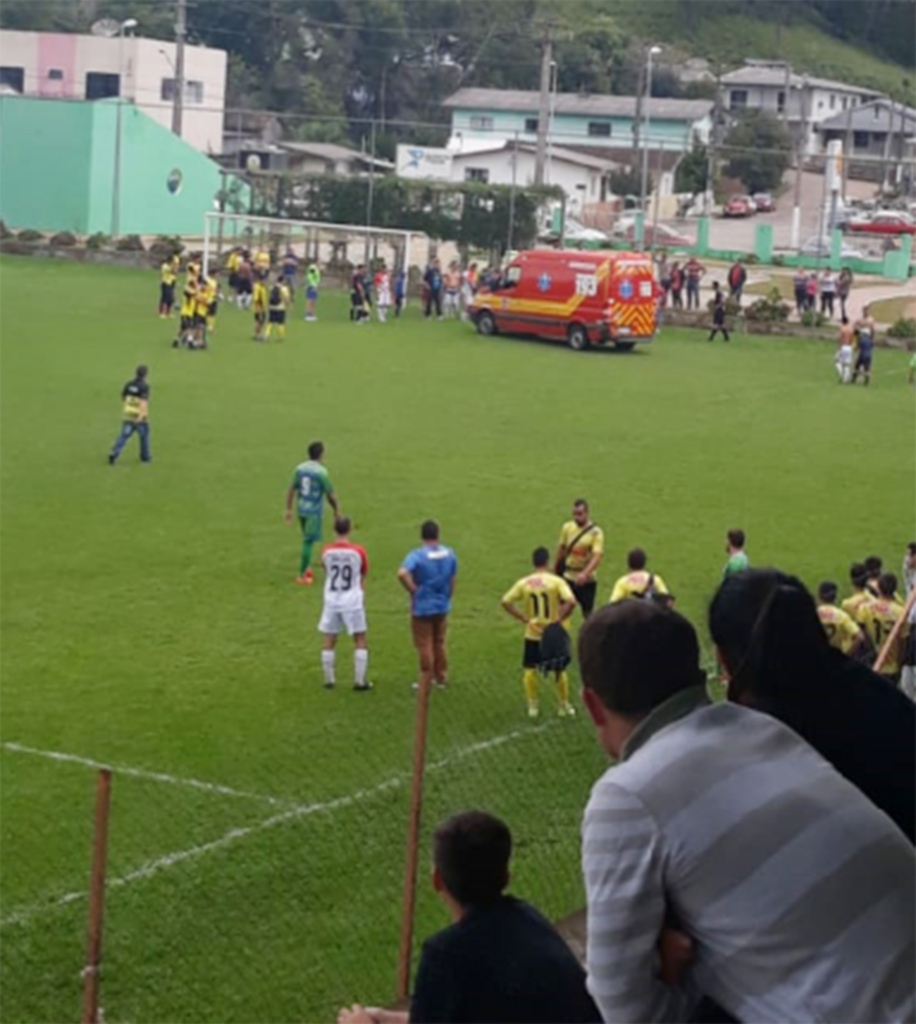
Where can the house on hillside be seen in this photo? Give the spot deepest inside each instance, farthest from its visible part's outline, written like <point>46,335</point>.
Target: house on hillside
<point>306,158</point>
<point>68,66</point>
<point>877,131</point>
<point>803,102</point>
<point>575,120</point>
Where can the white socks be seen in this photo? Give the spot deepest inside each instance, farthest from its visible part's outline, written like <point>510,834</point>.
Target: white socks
<point>327,666</point>
<point>360,663</point>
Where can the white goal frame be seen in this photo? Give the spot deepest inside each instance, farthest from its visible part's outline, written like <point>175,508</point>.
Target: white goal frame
<point>233,226</point>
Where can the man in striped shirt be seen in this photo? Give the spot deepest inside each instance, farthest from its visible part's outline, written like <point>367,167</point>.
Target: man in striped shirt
<point>796,893</point>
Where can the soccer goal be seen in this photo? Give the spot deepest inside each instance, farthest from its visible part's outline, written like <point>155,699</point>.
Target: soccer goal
<point>331,245</point>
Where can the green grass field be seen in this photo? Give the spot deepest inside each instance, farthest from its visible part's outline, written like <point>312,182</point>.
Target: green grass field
<point>150,619</point>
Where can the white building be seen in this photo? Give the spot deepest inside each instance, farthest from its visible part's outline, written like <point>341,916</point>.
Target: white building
<point>802,101</point>
<point>87,67</point>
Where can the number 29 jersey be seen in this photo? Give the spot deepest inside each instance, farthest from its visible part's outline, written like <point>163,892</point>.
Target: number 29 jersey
<point>345,565</point>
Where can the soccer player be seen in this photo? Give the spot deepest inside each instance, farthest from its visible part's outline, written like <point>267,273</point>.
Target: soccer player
<point>882,615</point>
<point>579,554</point>
<point>167,278</point>
<point>288,269</point>
<point>194,268</point>
<point>311,485</point>
<point>261,264</point>
<point>856,606</point>
<point>400,292</point>
<point>345,567</point>
<point>843,632</point>
<point>843,359</point>
<point>737,556</point>
<point>452,283</point>
<point>873,566</point>
<point>186,312</point>
<point>278,301</point>
<point>233,261</point>
<point>718,313</point>
<point>640,583</point>
<point>428,574</point>
<point>547,600</point>
<point>312,284</point>
<point>201,311</point>
<point>359,303</point>
<point>245,282</point>
<point>212,290</point>
<point>135,417</point>
<point>259,308</point>
<point>382,285</point>
<point>865,341</point>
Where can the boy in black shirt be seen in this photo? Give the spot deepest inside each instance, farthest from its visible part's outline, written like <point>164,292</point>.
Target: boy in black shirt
<point>135,396</point>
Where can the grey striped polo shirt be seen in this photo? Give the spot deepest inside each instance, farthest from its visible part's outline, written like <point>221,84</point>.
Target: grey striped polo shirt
<point>798,892</point>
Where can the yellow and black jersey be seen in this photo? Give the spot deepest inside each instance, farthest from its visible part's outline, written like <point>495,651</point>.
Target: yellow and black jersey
<point>843,632</point>
<point>580,544</point>
<point>539,597</point>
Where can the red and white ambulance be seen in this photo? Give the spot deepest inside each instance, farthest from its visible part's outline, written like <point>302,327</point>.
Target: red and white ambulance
<point>582,298</point>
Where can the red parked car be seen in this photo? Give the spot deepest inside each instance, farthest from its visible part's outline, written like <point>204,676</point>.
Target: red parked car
<point>884,224</point>
<point>739,206</point>
<point>764,202</point>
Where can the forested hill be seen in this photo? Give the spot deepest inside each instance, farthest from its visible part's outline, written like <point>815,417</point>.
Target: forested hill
<point>342,62</point>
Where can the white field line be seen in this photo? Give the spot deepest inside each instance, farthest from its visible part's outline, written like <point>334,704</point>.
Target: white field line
<point>141,773</point>
<point>169,860</point>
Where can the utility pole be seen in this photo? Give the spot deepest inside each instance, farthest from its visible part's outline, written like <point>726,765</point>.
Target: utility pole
<point>888,139</point>
<point>799,165</point>
<point>181,31</point>
<point>540,153</point>
<point>713,146</point>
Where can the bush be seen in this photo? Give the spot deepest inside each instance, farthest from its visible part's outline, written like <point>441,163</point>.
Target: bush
<point>779,261</point>
<point>811,318</point>
<point>29,235</point>
<point>5,231</point>
<point>750,259</point>
<point>903,327</point>
<point>167,246</point>
<point>97,241</point>
<point>769,309</point>
<point>64,239</point>
<point>130,243</point>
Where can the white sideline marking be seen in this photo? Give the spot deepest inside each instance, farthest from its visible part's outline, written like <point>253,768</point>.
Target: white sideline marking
<point>179,856</point>
<point>140,773</point>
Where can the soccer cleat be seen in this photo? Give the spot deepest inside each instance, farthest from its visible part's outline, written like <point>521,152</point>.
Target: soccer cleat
<point>360,687</point>
<point>329,686</point>
<point>533,711</point>
<point>566,711</point>
<point>440,686</point>
<point>306,579</point>
<point>111,460</point>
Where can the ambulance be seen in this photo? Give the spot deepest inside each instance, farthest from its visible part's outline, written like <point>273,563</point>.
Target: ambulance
<point>583,298</point>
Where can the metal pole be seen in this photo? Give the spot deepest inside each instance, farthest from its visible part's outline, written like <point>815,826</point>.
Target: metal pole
<point>799,166</point>
<point>553,108</point>
<point>371,196</point>
<point>205,265</point>
<point>886,157</point>
<point>658,189</point>
<point>116,174</point>
<point>644,178</point>
<point>543,107</point>
<point>512,196</point>
<point>181,29</point>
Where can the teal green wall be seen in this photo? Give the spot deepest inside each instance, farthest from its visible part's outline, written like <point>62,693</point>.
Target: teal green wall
<point>45,157</point>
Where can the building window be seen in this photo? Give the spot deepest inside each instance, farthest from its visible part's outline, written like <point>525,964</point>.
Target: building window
<point>100,85</point>
<point>531,124</point>
<point>737,99</point>
<point>193,91</point>
<point>860,140</point>
<point>481,122</point>
<point>599,129</point>
<point>55,75</point>
<point>480,174</point>
<point>844,102</point>
<point>13,77</point>
<point>832,101</point>
<point>781,102</point>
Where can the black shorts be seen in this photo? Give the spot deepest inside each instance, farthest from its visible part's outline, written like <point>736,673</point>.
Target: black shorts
<point>211,309</point>
<point>187,322</point>
<point>863,361</point>
<point>167,294</point>
<point>244,286</point>
<point>234,281</point>
<point>585,595</point>
<point>200,319</point>
<point>259,318</point>
<point>531,654</point>
<point>277,316</point>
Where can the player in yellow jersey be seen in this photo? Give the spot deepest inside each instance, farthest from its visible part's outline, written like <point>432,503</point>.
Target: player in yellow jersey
<point>641,583</point>
<point>167,278</point>
<point>843,632</point>
<point>201,311</point>
<point>233,261</point>
<point>882,615</point>
<point>186,313</point>
<point>579,553</point>
<point>259,308</point>
<point>261,263</point>
<point>193,268</point>
<point>856,606</point>
<point>278,300</point>
<point>546,601</point>
<point>212,288</point>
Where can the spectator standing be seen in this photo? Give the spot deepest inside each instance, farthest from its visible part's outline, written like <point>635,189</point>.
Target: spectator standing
<point>737,277</point>
<point>663,270</point>
<point>452,280</point>
<point>135,416</point>
<point>579,554</point>
<point>800,288</point>
<point>433,281</point>
<point>811,289</point>
<point>500,960</point>
<point>693,272</point>
<point>726,823</point>
<point>400,291</point>
<point>843,288</point>
<point>359,305</point>
<point>677,286</point>
<point>718,313</point>
<point>737,556</point>
<point>382,293</point>
<point>428,574</point>
<point>776,658</point>
<point>288,268</point>
<point>828,293</point>
<point>908,671</point>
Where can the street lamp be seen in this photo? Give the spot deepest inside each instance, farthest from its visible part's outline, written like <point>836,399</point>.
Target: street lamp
<point>116,176</point>
<point>653,51</point>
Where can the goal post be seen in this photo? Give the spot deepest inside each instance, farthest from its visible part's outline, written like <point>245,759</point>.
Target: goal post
<point>327,243</point>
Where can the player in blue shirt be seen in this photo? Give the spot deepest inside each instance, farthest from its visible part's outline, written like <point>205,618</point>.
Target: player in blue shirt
<point>310,486</point>
<point>428,575</point>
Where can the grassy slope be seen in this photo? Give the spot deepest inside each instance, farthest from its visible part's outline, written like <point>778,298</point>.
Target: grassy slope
<point>150,619</point>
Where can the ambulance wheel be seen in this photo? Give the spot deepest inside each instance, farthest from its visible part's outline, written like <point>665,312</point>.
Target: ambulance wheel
<point>577,336</point>
<point>486,325</point>
<point>625,346</point>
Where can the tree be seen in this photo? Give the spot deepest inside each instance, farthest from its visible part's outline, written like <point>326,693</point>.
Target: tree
<point>627,181</point>
<point>758,146</point>
<point>692,170</point>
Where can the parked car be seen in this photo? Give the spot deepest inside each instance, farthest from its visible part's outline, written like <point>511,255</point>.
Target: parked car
<point>739,206</point>
<point>885,222</point>
<point>659,235</point>
<point>764,202</point>
<point>821,247</point>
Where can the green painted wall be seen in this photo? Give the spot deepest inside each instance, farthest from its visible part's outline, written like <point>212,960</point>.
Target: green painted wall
<point>45,157</point>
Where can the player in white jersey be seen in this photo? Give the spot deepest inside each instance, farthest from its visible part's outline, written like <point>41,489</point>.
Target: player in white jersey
<point>345,567</point>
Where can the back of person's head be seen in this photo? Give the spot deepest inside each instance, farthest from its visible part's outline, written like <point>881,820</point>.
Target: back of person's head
<point>540,558</point>
<point>736,538</point>
<point>636,559</point>
<point>887,584</point>
<point>316,450</point>
<point>827,592</point>
<point>858,576</point>
<point>142,371</point>
<point>911,548</point>
<point>873,567</point>
<point>634,655</point>
<point>429,530</point>
<point>768,633</point>
<point>471,854</point>
<point>342,526</point>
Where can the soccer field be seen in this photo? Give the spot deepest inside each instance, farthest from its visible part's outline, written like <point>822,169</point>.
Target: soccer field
<point>150,619</point>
